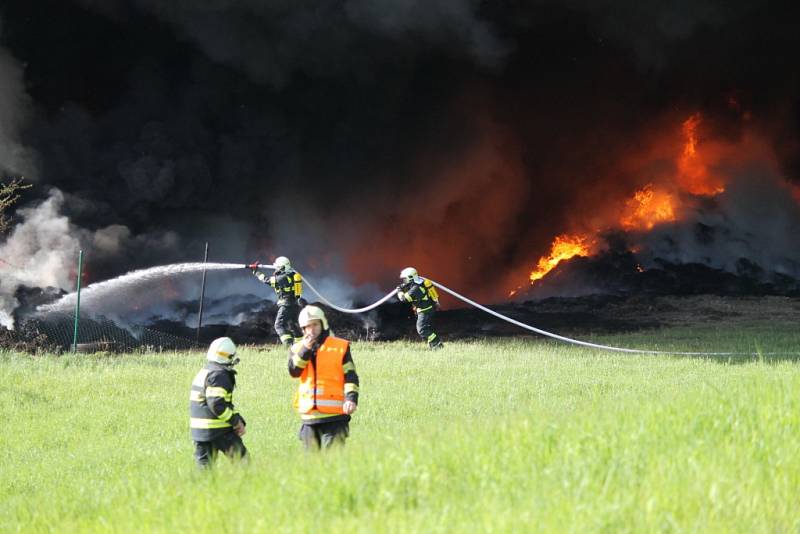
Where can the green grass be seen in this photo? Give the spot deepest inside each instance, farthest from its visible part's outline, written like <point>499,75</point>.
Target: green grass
<point>513,435</point>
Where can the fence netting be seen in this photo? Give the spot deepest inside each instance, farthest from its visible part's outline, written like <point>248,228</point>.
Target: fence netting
<point>54,331</point>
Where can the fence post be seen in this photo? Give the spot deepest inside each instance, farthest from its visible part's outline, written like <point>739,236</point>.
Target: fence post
<point>202,296</point>
<point>77,302</point>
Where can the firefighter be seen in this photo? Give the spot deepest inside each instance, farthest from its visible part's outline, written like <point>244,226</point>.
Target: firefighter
<point>216,425</point>
<point>424,300</point>
<point>327,393</point>
<point>288,286</point>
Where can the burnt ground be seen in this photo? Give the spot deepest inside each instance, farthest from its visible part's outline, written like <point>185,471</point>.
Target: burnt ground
<point>579,315</point>
<point>618,296</point>
<point>570,316</point>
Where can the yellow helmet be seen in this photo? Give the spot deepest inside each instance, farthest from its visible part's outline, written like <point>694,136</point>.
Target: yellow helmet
<point>223,351</point>
<point>312,313</point>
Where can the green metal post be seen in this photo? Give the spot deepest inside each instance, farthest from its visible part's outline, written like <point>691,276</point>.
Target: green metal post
<point>202,296</point>
<point>77,302</point>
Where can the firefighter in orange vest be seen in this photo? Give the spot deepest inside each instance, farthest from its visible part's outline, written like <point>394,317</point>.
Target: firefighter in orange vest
<point>328,390</point>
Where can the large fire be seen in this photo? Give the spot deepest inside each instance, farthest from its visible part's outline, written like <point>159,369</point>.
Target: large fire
<point>694,176</point>
<point>563,248</point>
<point>647,207</point>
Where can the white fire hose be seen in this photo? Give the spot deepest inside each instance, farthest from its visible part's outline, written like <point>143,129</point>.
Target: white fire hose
<point>576,341</point>
<point>348,310</point>
<point>331,304</point>
<point>529,327</point>
<point>129,279</point>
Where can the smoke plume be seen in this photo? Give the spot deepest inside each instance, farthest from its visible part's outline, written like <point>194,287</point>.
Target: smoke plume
<point>360,137</point>
<point>15,106</point>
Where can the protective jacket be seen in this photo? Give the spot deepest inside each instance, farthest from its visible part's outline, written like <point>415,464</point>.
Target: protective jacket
<point>422,295</point>
<point>327,378</point>
<point>211,410</point>
<point>288,286</point>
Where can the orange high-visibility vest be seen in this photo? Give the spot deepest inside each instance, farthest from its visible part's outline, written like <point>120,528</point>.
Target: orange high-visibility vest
<point>322,386</point>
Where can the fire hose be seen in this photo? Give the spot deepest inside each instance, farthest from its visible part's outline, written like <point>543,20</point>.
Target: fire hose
<point>145,274</point>
<point>576,341</point>
<point>334,306</point>
<point>348,310</point>
<point>527,326</point>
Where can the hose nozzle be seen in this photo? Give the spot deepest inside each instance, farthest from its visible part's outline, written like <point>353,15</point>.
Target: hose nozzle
<point>255,265</point>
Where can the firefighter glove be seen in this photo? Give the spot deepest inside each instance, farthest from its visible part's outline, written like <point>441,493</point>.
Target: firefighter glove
<point>253,266</point>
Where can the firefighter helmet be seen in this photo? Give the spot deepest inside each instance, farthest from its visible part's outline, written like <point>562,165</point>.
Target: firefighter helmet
<point>223,351</point>
<point>281,263</point>
<point>312,313</point>
<point>408,274</point>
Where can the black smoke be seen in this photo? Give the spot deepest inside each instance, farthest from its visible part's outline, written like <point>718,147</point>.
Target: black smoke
<point>360,137</point>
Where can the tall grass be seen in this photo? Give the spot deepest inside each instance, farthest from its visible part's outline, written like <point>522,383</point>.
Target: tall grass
<point>512,435</point>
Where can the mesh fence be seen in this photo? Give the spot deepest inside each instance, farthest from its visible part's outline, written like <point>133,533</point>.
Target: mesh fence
<point>54,331</point>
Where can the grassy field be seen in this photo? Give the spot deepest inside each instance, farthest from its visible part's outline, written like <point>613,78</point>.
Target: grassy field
<point>514,435</point>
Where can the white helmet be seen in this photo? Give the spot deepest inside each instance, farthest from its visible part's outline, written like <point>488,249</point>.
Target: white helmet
<point>312,313</point>
<point>281,263</point>
<point>223,351</point>
<point>408,274</point>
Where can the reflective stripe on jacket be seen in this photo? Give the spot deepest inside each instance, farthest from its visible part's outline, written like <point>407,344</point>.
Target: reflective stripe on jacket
<point>321,385</point>
<point>211,411</point>
<point>422,296</point>
<point>288,286</point>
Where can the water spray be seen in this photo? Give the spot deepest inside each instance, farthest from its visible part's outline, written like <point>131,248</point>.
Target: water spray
<point>9,264</point>
<point>129,280</point>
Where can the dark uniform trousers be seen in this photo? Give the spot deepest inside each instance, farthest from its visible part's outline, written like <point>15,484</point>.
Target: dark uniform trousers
<point>229,444</point>
<point>286,325</point>
<point>425,328</point>
<point>324,435</point>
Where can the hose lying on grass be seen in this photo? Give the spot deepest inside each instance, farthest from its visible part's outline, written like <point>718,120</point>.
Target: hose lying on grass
<point>533,328</point>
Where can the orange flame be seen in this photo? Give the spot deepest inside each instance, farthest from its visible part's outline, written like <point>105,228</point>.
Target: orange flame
<point>690,132</point>
<point>647,208</point>
<point>564,247</point>
<point>694,176</point>
<point>651,205</point>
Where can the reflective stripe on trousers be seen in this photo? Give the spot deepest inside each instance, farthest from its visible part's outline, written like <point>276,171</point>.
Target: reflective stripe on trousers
<point>196,422</point>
